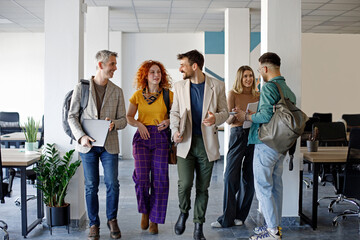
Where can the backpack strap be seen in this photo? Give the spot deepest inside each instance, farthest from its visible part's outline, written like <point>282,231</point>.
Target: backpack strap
<point>85,85</point>
<point>167,100</point>
<point>292,150</point>
<point>279,89</point>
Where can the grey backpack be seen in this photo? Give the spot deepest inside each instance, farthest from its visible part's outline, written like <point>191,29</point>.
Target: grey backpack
<point>285,126</point>
<point>66,106</point>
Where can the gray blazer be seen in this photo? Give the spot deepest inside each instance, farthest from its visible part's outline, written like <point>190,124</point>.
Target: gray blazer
<point>214,101</point>
<point>113,107</point>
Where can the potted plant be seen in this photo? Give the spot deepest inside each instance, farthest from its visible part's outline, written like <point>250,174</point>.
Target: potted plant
<point>30,130</point>
<point>313,142</point>
<point>54,174</point>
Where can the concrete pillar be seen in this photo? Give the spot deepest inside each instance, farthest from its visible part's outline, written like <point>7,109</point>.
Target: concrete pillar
<point>64,64</point>
<point>237,52</point>
<point>281,33</point>
<point>97,36</point>
<point>115,44</point>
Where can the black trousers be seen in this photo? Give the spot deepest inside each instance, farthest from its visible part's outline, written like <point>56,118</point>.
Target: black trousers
<point>238,178</point>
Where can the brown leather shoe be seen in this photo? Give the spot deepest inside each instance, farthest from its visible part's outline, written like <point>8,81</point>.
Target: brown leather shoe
<point>115,232</point>
<point>153,229</point>
<point>94,233</point>
<point>144,221</point>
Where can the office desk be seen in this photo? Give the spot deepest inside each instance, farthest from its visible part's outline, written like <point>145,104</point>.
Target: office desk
<point>17,137</point>
<point>323,155</point>
<point>18,159</point>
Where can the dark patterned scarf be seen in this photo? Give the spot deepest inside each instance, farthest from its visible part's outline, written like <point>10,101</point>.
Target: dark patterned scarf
<point>150,97</point>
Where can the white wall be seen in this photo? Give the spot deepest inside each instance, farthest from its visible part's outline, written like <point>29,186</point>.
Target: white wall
<point>330,79</point>
<point>138,47</point>
<point>22,74</point>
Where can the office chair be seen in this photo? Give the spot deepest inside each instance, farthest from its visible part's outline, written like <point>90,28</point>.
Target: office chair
<point>352,120</point>
<point>9,122</point>
<point>5,191</point>
<point>331,134</point>
<point>323,117</point>
<point>351,177</point>
<point>41,141</point>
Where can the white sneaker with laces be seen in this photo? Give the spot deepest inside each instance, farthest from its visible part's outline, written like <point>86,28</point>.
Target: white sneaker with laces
<point>260,230</point>
<point>238,222</point>
<point>216,225</point>
<point>267,235</point>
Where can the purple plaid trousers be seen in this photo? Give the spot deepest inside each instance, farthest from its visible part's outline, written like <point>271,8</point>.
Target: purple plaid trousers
<point>151,173</point>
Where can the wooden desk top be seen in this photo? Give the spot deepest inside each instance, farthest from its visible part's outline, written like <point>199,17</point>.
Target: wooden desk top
<point>16,157</point>
<point>326,154</point>
<point>17,136</point>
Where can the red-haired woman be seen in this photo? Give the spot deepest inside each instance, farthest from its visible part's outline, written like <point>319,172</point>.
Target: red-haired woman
<point>150,143</point>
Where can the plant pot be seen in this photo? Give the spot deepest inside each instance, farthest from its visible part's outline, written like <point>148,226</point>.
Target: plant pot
<point>31,146</point>
<point>312,146</point>
<point>58,216</point>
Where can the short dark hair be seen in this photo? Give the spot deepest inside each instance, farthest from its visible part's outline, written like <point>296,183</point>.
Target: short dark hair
<point>271,58</point>
<point>194,56</point>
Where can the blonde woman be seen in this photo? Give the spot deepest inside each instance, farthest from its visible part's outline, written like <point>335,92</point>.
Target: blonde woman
<point>238,177</point>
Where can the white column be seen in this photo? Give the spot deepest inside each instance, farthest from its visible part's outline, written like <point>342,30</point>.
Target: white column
<point>237,52</point>
<point>115,44</point>
<point>64,64</point>
<point>97,36</point>
<point>281,33</point>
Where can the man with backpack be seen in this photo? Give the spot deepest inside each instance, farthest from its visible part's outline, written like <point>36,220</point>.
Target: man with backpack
<point>106,102</point>
<point>268,163</point>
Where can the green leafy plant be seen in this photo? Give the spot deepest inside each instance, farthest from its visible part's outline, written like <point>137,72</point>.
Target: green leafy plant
<point>31,129</point>
<point>54,174</point>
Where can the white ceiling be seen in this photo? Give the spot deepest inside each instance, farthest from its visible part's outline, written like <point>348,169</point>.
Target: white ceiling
<point>318,16</point>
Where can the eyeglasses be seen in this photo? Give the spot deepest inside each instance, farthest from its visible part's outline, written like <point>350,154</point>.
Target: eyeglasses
<point>259,69</point>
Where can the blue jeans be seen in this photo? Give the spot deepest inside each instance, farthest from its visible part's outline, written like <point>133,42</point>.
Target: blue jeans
<point>110,163</point>
<point>268,169</point>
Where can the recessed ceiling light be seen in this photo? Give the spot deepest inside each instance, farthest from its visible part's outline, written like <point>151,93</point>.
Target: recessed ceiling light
<point>4,20</point>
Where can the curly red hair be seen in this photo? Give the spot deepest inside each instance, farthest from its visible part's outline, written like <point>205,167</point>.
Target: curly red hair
<point>142,73</point>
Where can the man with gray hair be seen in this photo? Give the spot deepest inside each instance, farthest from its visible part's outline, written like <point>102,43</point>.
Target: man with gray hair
<point>106,102</point>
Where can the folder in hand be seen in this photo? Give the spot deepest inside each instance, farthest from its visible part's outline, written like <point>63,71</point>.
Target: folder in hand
<point>183,123</point>
<point>97,130</point>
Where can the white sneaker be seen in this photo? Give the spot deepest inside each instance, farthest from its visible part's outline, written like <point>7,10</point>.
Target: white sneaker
<point>238,222</point>
<point>216,225</point>
<point>260,230</point>
<point>267,235</point>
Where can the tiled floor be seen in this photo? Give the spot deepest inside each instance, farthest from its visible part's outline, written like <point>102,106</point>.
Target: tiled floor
<point>129,219</point>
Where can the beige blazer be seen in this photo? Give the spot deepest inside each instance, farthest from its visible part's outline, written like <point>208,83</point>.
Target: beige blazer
<point>113,107</point>
<point>214,101</point>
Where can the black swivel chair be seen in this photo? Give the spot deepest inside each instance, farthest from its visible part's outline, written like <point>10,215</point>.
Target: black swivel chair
<point>351,177</point>
<point>331,134</point>
<point>352,120</point>
<point>323,117</point>
<point>9,122</point>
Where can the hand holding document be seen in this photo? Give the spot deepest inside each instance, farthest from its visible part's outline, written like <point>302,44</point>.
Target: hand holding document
<point>251,107</point>
<point>97,130</point>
